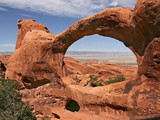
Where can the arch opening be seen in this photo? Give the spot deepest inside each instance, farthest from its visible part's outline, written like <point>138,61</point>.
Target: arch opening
<point>107,49</point>
<point>105,62</point>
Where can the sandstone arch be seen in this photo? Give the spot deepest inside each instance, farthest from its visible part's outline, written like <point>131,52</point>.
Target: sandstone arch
<point>38,58</point>
<point>119,23</point>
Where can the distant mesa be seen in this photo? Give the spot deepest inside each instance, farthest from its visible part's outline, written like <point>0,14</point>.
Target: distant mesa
<point>38,65</point>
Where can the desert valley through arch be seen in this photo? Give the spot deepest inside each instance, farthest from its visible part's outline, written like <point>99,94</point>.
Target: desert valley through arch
<point>101,49</point>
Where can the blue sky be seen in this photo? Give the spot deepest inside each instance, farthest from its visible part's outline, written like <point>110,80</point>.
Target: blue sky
<point>57,15</point>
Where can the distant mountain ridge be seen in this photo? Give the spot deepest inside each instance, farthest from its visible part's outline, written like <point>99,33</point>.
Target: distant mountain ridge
<point>87,53</point>
<point>110,54</point>
<point>3,53</point>
<point>122,58</point>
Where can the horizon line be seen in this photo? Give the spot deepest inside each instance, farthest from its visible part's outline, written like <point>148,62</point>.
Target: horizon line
<point>81,51</point>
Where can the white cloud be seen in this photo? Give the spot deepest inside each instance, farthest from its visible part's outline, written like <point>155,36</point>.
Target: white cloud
<point>3,9</point>
<point>125,3</point>
<point>26,15</point>
<point>114,3</point>
<point>71,8</point>
<point>7,45</point>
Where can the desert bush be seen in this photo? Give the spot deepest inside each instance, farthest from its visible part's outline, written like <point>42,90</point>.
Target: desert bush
<point>2,76</point>
<point>78,73</point>
<point>92,78</point>
<point>71,72</point>
<point>118,78</point>
<point>45,118</point>
<point>94,82</point>
<point>11,105</point>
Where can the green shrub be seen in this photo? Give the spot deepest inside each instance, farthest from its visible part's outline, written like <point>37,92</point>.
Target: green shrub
<point>118,78</point>
<point>2,76</point>
<point>45,118</point>
<point>11,105</point>
<point>95,84</point>
<point>93,78</point>
<point>85,85</point>
<point>78,73</point>
<point>71,72</point>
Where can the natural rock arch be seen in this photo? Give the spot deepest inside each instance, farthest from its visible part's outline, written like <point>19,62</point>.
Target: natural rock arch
<point>38,58</point>
<point>135,28</point>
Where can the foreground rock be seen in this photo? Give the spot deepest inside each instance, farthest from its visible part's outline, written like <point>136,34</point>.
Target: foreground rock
<point>101,102</point>
<point>39,58</point>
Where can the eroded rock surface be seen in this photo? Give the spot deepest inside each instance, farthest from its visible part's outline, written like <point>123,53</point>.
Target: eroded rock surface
<point>101,102</point>
<point>4,59</point>
<point>3,64</point>
<point>39,59</point>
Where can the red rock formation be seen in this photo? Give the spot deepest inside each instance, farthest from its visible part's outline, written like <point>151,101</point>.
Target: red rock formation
<point>30,64</point>
<point>2,67</point>
<point>3,64</point>
<point>26,26</point>
<point>39,58</point>
<point>151,62</point>
<point>4,59</point>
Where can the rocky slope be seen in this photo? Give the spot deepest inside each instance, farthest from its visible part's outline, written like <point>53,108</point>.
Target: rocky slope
<point>82,73</point>
<point>39,61</point>
<point>50,101</point>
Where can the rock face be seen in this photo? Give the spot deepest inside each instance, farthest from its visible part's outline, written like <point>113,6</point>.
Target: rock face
<point>2,67</point>
<point>39,58</point>
<point>3,64</point>
<point>29,26</point>
<point>31,59</point>
<point>4,59</point>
